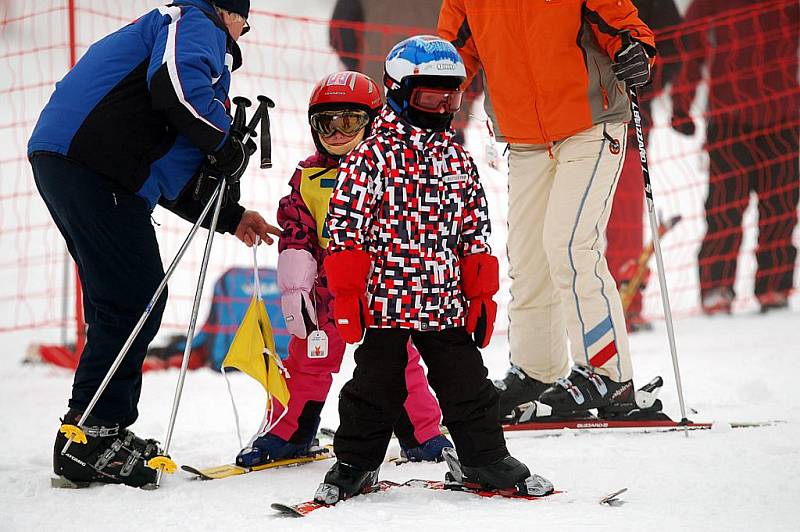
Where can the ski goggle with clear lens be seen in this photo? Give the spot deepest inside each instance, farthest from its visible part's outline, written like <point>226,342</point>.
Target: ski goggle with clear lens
<point>346,122</point>
<point>433,100</point>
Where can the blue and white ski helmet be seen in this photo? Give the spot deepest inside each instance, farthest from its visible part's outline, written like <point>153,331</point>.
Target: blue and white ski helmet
<point>422,55</point>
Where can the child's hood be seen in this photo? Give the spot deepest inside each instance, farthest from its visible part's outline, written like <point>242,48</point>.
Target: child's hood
<point>389,124</point>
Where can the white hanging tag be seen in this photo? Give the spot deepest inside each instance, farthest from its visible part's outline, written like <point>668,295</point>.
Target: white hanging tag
<point>317,344</point>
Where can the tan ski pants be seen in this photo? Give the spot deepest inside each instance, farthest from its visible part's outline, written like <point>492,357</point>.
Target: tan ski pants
<point>559,205</point>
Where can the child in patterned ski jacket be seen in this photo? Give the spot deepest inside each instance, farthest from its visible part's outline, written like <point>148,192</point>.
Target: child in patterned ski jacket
<point>409,259</point>
<point>341,109</point>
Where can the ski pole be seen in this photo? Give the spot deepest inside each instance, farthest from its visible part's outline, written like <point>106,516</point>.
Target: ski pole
<point>266,137</point>
<point>240,114</point>
<point>76,432</point>
<point>163,463</point>
<point>651,211</point>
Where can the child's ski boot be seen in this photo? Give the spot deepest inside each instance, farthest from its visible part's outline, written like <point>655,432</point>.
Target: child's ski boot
<point>429,451</point>
<point>508,476</point>
<point>268,448</point>
<point>343,481</point>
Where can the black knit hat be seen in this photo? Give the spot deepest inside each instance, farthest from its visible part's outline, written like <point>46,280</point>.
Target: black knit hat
<point>241,7</point>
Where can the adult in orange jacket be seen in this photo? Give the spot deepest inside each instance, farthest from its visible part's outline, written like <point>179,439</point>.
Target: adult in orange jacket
<point>556,71</point>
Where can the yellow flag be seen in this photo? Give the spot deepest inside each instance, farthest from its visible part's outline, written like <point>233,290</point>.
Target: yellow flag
<point>276,383</point>
<point>253,352</point>
<point>266,327</point>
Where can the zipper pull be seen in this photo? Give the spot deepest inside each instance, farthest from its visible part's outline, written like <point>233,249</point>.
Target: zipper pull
<point>613,144</point>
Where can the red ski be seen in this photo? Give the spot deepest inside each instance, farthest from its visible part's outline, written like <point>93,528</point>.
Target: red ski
<point>439,485</point>
<point>304,508</point>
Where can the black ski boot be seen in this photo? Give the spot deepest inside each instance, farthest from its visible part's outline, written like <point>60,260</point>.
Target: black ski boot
<point>508,476</point>
<point>516,391</point>
<point>111,455</point>
<point>643,404</point>
<point>584,389</point>
<point>343,481</point>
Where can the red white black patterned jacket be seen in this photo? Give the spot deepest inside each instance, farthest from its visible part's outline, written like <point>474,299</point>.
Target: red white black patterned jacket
<point>413,201</point>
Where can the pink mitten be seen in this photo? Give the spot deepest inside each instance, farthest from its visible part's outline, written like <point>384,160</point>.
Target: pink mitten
<point>297,271</point>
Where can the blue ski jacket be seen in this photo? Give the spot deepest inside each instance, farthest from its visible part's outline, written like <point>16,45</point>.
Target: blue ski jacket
<point>146,103</point>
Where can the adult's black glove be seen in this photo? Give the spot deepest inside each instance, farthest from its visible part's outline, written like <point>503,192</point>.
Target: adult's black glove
<point>250,145</point>
<point>232,158</point>
<point>189,207</point>
<point>207,182</point>
<point>631,64</point>
<point>231,161</point>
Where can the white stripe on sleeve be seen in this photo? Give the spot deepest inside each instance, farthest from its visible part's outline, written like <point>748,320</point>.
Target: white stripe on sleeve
<point>169,59</point>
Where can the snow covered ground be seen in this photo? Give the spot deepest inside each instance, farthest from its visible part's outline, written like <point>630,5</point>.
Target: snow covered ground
<point>734,369</point>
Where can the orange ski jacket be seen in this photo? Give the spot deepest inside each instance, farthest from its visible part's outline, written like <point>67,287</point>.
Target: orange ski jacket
<point>547,62</point>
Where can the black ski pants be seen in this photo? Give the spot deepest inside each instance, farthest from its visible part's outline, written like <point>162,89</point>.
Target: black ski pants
<point>110,236</point>
<point>372,401</point>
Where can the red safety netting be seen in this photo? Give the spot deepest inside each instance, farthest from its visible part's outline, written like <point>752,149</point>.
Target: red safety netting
<point>749,110</point>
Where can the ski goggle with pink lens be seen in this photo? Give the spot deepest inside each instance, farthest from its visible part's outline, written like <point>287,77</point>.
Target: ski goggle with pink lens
<point>346,122</point>
<point>433,100</point>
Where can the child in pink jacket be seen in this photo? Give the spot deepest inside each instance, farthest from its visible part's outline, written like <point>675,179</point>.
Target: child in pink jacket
<point>340,112</point>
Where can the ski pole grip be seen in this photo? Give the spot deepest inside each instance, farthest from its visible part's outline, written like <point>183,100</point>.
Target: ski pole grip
<point>254,120</point>
<point>266,138</point>
<point>625,41</point>
<point>240,114</point>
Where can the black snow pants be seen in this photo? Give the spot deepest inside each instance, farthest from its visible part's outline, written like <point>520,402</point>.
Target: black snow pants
<point>110,236</point>
<point>372,401</point>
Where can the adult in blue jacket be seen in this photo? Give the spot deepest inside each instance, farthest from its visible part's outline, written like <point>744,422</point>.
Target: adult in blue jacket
<point>129,127</point>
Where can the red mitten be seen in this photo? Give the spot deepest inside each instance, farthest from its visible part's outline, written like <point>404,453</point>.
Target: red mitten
<point>480,280</point>
<point>347,280</point>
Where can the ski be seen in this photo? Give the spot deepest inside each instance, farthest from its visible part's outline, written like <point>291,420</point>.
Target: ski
<point>438,485</point>
<point>597,423</point>
<point>304,508</point>
<point>643,414</point>
<point>232,470</point>
<point>656,425</point>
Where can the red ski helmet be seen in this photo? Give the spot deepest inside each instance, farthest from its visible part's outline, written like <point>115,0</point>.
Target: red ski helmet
<point>344,90</point>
